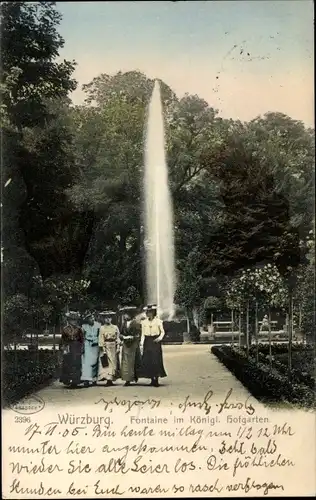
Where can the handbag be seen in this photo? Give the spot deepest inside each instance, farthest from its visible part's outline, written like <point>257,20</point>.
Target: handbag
<point>104,360</point>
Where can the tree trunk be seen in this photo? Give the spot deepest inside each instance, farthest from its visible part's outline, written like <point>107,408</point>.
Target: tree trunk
<point>212,324</point>
<point>232,322</point>
<point>247,329</point>
<point>188,325</point>
<point>189,316</point>
<point>186,335</point>
<point>54,339</point>
<point>195,313</point>
<point>290,327</point>
<point>122,243</point>
<point>270,345</point>
<point>301,334</point>
<point>239,329</point>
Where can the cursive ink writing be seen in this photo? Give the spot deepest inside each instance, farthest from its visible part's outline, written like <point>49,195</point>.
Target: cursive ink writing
<point>148,490</point>
<point>226,405</point>
<point>260,461</point>
<point>202,405</point>
<point>250,484</point>
<point>206,488</point>
<point>143,448</point>
<point>18,468</point>
<point>236,447</point>
<point>45,448</point>
<point>41,490</point>
<point>213,453</point>
<point>152,404</point>
<point>98,490</point>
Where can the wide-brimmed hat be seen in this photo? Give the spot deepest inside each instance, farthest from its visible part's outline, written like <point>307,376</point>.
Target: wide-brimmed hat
<point>87,315</point>
<point>72,315</point>
<point>128,308</point>
<point>107,314</point>
<point>150,307</point>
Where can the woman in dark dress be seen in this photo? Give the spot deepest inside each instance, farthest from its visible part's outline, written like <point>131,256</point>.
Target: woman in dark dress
<point>90,358</point>
<point>71,345</point>
<point>130,337</point>
<point>152,333</point>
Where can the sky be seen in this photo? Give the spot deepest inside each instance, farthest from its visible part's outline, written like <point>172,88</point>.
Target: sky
<point>245,58</point>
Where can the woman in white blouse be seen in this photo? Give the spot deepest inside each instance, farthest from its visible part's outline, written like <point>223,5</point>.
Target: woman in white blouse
<point>150,345</point>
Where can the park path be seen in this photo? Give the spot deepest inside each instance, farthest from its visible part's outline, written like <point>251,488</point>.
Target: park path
<point>192,370</point>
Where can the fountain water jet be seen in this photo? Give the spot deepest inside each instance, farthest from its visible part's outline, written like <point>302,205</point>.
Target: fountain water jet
<point>159,230</point>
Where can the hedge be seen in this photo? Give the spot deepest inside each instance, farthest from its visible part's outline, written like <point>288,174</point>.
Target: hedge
<point>303,360</point>
<point>265,384</point>
<point>280,348</point>
<point>23,372</point>
<point>175,330</point>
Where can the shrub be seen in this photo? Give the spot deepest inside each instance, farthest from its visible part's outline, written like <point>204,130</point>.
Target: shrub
<point>174,331</point>
<point>264,384</point>
<point>302,361</point>
<point>25,371</point>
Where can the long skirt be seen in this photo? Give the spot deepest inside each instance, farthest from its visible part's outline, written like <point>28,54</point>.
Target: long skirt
<point>71,364</point>
<point>130,364</point>
<point>152,362</point>
<point>90,362</point>
<point>108,372</point>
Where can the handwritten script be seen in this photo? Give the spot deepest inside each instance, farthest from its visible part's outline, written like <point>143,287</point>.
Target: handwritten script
<point>120,447</point>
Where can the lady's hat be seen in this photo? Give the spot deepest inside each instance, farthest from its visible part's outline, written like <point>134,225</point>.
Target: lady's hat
<point>72,315</point>
<point>107,314</point>
<point>87,315</point>
<point>150,307</point>
<point>127,309</point>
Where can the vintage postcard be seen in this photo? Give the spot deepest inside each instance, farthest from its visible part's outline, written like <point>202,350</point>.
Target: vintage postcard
<point>158,239</point>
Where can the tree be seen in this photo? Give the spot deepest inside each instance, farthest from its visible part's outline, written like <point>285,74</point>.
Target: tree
<point>304,294</point>
<point>109,145</point>
<point>256,224</point>
<point>30,46</point>
<point>109,142</point>
<point>37,139</point>
<point>289,148</point>
<point>212,305</point>
<point>193,133</point>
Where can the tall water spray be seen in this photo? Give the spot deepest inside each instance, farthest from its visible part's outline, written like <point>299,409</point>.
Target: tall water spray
<point>159,230</point>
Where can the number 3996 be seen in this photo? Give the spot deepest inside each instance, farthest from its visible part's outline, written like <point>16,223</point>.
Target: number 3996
<point>22,420</point>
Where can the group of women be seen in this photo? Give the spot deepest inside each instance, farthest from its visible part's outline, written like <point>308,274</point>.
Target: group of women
<point>95,350</point>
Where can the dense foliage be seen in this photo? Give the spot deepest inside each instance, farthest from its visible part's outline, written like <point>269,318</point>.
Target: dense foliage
<point>72,209</point>
<point>25,371</point>
<point>263,285</point>
<point>266,384</point>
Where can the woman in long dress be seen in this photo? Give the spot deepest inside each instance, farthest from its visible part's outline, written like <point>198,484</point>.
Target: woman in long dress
<point>150,345</point>
<point>131,358</point>
<point>109,344</point>
<point>90,358</point>
<point>71,345</point>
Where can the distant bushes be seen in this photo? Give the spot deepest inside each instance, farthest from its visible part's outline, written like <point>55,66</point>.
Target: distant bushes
<point>174,331</point>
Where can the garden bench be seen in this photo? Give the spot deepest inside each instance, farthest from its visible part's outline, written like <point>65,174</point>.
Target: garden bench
<point>221,329</point>
<point>275,331</point>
